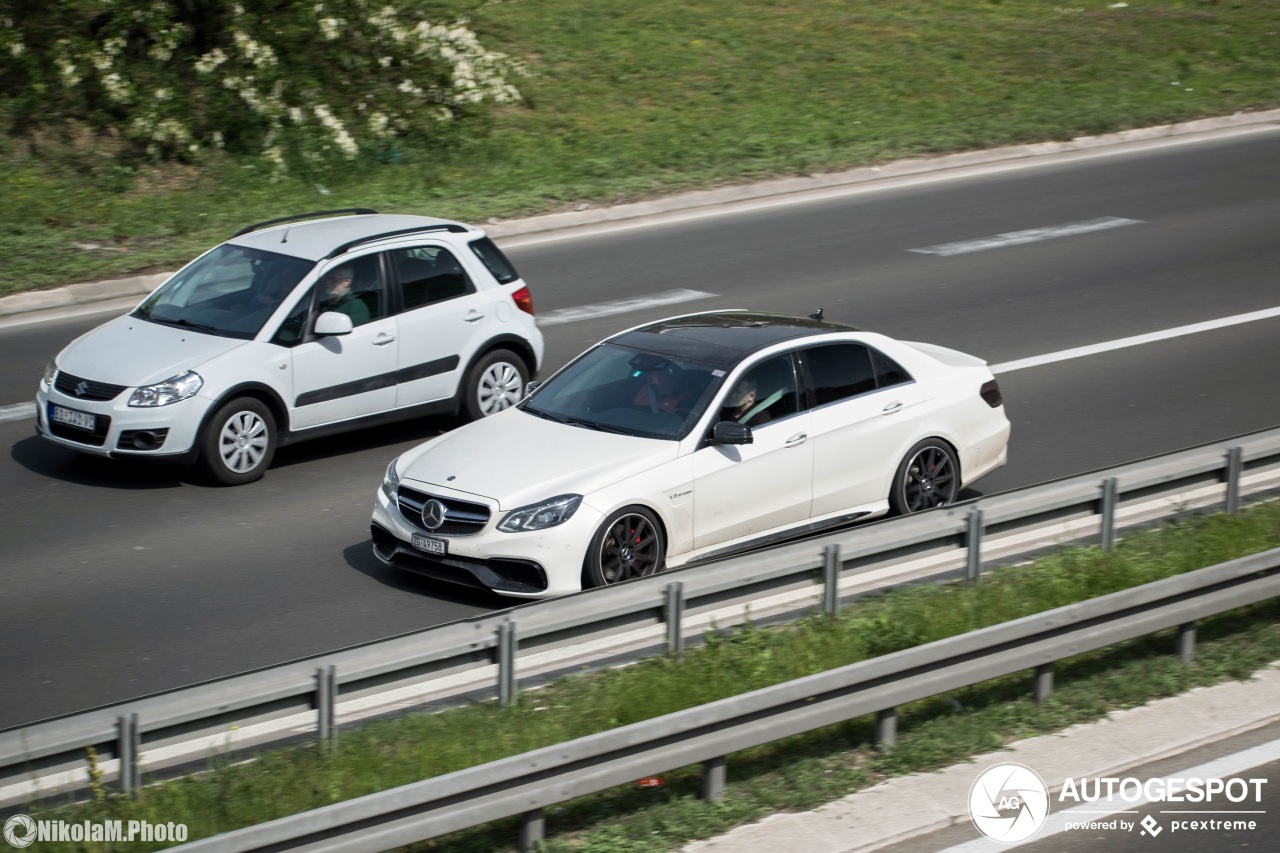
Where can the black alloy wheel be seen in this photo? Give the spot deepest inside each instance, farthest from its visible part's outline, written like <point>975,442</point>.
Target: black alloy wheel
<point>928,477</point>
<point>630,544</point>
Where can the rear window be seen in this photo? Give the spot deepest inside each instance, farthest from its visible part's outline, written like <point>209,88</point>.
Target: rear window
<point>493,259</point>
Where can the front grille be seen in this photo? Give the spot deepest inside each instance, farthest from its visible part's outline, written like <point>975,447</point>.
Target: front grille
<point>97,438</point>
<point>86,389</point>
<point>461,518</point>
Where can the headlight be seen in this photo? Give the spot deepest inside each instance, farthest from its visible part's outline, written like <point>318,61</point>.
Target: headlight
<point>171,390</point>
<point>540,516</point>
<point>391,480</point>
<point>50,373</point>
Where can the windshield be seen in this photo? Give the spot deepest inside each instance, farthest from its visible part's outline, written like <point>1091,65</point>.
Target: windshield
<point>231,291</point>
<point>618,389</point>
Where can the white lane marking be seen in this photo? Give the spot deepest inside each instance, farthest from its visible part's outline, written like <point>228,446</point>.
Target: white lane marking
<point>1219,768</point>
<point>17,412</point>
<point>622,306</point>
<point>1031,235</point>
<point>1136,340</point>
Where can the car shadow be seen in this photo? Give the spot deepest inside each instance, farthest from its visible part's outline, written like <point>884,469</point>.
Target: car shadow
<point>48,460</point>
<point>360,557</point>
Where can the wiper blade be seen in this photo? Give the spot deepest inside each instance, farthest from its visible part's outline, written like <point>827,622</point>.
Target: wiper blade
<point>541,414</point>
<point>187,324</point>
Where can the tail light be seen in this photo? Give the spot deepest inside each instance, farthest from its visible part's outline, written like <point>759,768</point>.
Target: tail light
<point>990,392</point>
<point>524,300</point>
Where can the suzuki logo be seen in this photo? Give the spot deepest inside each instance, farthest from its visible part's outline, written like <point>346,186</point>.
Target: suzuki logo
<point>82,388</point>
<point>433,514</point>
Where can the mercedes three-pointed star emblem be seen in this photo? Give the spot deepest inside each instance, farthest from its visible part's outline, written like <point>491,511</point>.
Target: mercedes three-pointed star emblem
<point>433,514</point>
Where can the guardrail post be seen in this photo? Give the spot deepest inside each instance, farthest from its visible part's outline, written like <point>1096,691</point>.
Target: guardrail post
<point>1235,466</point>
<point>714,772</point>
<point>1187,642</point>
<point>326,704</point>
<point>1042,685</point>
<point>1110,492</point>
<point>127,743</point>
<point>831,580</point>
<point>506,663</point>
<point>533,828</point>
<point>887,728</point>
<point>675,616</point>
<point>973,542</point>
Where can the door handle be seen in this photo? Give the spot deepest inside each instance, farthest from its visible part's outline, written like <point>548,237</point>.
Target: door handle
<point>383,339</point>
<point>796,440</point>
<point>891,408</point>
<point>473,315</point>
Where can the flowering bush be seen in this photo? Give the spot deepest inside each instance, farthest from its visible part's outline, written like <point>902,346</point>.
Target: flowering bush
<point>304,83</point>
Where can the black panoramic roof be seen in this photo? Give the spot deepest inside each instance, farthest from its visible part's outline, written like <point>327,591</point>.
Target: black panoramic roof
<point>724,338</point>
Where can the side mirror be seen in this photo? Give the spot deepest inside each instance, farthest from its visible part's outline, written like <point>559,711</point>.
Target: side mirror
<point>333,323</point>
<point>728,432</point>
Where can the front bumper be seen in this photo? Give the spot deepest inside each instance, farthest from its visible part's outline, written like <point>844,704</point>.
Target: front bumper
<point>121,431</point>
<point>534,564</point>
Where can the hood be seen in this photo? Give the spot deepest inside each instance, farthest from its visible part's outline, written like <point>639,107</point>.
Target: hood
<point>131,352</point>
<point>519,459</point>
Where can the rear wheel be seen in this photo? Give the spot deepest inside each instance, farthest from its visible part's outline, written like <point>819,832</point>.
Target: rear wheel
<point>238,442</point>
<point>494,383</point>
<point>929,476</point>
<point>630,544</point>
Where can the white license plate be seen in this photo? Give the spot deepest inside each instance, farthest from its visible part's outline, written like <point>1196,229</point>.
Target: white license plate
<point>431,545</point>
<point>70,417</point>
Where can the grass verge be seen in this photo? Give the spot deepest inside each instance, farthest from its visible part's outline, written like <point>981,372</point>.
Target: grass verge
<point>797,773</point>
<point>627,101</point>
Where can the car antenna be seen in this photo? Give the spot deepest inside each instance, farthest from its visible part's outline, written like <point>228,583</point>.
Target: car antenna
<point>285,237</point>
<point>816,315</point>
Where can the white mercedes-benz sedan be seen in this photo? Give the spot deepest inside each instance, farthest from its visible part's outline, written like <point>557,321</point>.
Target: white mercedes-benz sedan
<point>688,437</point>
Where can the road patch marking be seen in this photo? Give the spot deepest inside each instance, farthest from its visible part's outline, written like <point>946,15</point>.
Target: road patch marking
<point>622,306</point>
<point>1136,340</point>
<point>1031,235</point>
<point>17,412</point>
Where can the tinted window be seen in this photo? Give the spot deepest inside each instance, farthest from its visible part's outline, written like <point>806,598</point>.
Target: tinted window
<point>429,274</point>
<point>840,371</point>
<point>765,393</point>
<point>493,259</point>
<point>888,371</point>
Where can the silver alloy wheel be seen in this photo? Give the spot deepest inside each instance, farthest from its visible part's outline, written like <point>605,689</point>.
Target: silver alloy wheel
<point>243,442</point>
<point>501,386</point>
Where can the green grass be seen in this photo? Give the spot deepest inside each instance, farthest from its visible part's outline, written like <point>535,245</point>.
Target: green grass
<point>799,772</point>
<point>629,100</point>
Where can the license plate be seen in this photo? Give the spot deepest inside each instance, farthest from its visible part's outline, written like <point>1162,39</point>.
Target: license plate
<point>431,545</point>
<point>70,417</point>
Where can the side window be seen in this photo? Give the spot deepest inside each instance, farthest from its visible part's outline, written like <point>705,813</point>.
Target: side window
<point>494,261</point>
<point>765,393</point>
<point>840,371</point>
<point>354,288</point>
<point>429,274</point>
<point>888,371</point>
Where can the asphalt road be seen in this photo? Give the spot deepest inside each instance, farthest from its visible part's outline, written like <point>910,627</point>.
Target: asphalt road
<point>119,580</point>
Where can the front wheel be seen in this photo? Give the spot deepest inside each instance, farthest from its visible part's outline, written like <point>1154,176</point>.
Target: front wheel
<point>630,544</point>
<point>494,383</point>
<point>238,442</point>
<point>929,476</point>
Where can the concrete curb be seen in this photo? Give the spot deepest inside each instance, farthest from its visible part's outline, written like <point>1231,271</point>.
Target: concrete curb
<point>90,292</point>
<point>920,804</point>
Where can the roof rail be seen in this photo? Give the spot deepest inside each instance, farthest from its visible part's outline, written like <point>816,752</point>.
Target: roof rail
<point>360,211</point>
<point>451,227</point>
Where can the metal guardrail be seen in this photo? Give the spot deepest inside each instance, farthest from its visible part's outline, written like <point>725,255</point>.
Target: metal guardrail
<point>527,784</point>
<point>669,607</point>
